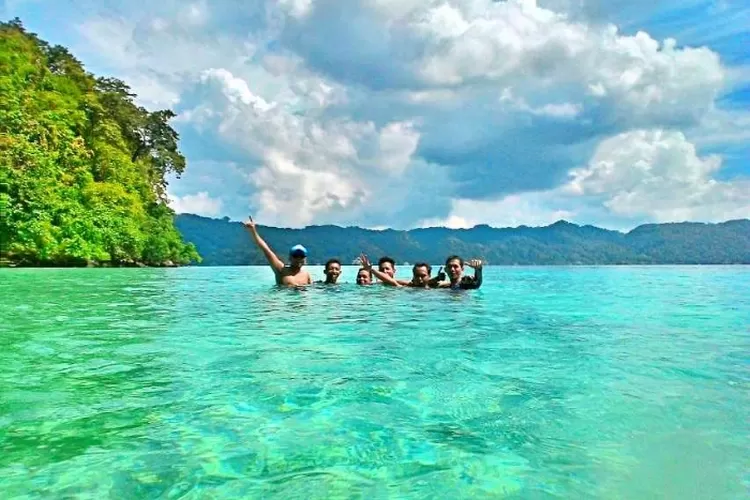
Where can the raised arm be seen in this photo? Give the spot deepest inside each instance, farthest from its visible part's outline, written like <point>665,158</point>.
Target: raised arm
<point>273,260</point>
<point>477,281</point>
<point>366,264</point>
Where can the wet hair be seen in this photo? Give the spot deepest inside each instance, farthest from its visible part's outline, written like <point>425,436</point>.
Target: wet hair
<point>422,264</point>
<point>367,272</point>
<point>332,261</point>
<point>383,260</point>
<point>455,257</point>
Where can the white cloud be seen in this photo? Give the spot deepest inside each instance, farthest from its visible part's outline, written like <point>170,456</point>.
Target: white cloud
<point>632,178</point>
<point>158,58</point>
<point>517,44</point>
<point>722,127</point>
<point>236,89</point>
<point>531,209</point>
<point>200,204</point>
<point>658,175</point>
<point>460,111</point>
<point>565,110</point>
<point>308,169</point>
<point>194,14</point>
<point>297,8</point>
<point>398,142</point>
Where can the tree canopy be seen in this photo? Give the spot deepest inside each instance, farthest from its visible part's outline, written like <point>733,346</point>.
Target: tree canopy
<point>82,168</point>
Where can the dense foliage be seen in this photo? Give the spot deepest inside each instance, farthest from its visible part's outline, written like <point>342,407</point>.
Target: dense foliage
<point>222,242</point>
<point>82,167</point>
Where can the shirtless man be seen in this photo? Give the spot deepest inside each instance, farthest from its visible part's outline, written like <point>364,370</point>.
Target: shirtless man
<point>454,267</point>
<point>420,274</point>
<point>291,275</point>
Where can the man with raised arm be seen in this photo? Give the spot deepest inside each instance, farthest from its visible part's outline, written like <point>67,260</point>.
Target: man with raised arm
<point>387,265</point>
<point>291,275</point>
<point>454,268</point>
<point>420,274</point>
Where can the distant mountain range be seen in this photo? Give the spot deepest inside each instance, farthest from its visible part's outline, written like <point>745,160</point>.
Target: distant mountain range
<point>222,242</point>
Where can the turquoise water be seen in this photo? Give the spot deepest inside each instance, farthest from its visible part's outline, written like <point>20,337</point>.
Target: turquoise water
<point>629,382</point>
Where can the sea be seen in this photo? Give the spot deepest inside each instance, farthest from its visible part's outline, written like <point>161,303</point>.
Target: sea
<point>548,382</point>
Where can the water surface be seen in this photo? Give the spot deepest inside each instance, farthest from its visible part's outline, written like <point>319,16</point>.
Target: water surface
<point>616,382</point>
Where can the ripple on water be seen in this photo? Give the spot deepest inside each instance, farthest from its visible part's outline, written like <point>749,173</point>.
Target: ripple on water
<point>210,383</point>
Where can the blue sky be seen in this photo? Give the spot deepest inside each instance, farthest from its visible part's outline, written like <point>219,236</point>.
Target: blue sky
<point>406,113</point>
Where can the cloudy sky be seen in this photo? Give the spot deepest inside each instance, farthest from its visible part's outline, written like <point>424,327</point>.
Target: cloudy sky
<point>412,113</point>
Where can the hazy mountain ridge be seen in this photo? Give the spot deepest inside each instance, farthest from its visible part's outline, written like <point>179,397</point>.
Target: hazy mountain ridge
<point>222,242</point>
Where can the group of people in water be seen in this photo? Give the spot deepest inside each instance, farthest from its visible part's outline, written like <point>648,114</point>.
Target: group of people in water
<point>294,273</point>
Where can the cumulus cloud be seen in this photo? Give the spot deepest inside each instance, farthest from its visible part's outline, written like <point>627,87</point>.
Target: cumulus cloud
<point>200,203</point>
<point>308,170</point>
<point>531,209</point>
<point>658,175</point>
<point>510,94</point>
<point>633,177</point>
<point>515,44</point>
<point>413,112</point>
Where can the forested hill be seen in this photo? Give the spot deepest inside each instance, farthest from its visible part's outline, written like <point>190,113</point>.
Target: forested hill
<point>82,167</point>
<point>222,242</point>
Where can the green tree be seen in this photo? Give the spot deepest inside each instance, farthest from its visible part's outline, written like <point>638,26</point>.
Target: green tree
<point>82,168</point>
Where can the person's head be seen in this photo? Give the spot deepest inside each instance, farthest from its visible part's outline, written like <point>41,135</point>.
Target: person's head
<point>421,273</point>
<point>297,256</point>
<point>332,270</point>
<point>387,265</point>
<point>454,267</point>
<point>363,277</point>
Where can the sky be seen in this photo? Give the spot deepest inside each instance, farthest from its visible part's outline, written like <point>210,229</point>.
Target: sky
<point>418,113</point>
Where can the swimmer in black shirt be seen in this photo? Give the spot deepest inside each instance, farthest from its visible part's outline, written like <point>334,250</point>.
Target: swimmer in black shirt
<point>454,268</point>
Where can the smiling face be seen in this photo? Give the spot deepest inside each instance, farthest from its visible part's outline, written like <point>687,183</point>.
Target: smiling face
<point>363,277</point>
<point>454,268</point>
<point>332,271</point>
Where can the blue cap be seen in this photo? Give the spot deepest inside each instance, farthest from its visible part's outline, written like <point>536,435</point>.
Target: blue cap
<point>298,251</point>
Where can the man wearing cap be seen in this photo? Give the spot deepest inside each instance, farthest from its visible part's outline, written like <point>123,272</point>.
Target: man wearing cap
<point>291,275</point>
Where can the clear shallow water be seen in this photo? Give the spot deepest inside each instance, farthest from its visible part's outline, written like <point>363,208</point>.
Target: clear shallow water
<point>211,383</point>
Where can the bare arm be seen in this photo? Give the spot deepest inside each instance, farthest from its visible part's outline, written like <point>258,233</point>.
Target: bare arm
<point>273,260</point>
<point>366,264</point>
